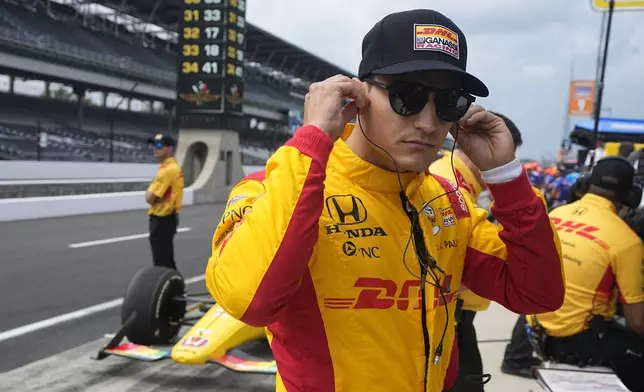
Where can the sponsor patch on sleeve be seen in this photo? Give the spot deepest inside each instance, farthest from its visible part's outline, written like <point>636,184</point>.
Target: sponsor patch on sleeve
<point>436,38</point>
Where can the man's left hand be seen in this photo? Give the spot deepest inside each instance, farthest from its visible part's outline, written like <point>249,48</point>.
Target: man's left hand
<point>484,138</point>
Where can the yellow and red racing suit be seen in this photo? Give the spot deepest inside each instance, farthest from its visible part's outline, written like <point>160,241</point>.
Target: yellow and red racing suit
<point>314,249</point>
<point>470,187</point>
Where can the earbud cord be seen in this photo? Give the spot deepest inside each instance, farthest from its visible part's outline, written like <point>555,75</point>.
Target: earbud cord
<point>422,263</point>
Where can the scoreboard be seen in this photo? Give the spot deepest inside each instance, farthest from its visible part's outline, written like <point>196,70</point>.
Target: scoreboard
<point>210,85</point>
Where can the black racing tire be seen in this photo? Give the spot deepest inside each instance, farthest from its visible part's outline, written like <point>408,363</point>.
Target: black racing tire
<point>151,294</point>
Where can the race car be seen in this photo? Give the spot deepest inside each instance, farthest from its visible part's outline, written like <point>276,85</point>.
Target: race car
<point>156,307</point>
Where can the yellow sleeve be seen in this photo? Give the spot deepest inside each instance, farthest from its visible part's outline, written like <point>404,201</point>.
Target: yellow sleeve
<point>177,190</point>
<point>163,181</point>
<point>263,244</point>
<point>518,263</point>
<point>628,266</point>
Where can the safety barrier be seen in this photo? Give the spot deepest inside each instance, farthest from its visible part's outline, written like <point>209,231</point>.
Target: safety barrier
<point>58,206</point>
<point>56,170</point>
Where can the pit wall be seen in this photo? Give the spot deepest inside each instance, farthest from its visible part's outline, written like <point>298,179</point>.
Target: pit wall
<point>26,172</point>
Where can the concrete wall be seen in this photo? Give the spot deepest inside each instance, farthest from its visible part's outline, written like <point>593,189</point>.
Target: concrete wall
<point>57,206</point>
<point>56,172</point>
<point>53,170</point>
<point>46,188</point>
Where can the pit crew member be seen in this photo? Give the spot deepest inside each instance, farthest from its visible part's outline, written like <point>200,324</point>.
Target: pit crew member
<point>165,196</point>
<point>603,264</point>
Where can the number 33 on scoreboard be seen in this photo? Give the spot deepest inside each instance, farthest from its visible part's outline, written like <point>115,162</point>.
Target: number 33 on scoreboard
<point>191,50</point>
<point>209,15</point>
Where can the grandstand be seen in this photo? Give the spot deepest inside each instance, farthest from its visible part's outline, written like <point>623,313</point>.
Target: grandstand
<point>92,81</point>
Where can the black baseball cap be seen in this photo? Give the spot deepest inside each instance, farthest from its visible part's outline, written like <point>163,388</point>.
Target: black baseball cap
<point>417,40</point>
<point>614,173</point>
<point>165,140</point>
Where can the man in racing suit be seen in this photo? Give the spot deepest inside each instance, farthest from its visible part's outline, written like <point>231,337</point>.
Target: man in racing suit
<point>470,183</point>
<point>351,253</point>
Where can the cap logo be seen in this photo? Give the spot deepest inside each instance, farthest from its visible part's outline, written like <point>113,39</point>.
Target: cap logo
<point>436,38</point>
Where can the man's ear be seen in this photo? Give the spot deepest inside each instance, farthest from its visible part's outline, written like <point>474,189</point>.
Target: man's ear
<point>365,85</point>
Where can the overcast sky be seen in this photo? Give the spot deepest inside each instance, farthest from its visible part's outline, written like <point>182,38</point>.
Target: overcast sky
<point>523,50</point>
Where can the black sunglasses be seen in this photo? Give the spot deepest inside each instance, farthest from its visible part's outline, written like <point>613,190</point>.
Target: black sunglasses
<point>409,98</point>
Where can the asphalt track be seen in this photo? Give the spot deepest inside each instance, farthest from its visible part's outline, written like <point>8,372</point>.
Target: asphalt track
<point>42,277</point>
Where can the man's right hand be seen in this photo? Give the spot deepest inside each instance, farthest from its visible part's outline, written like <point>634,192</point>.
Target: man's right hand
<point>323,104</point>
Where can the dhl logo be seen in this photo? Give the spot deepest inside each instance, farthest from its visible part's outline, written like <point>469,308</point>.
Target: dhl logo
<point>376,293</point>
<point>436,38</point>
<point>581,229</point>
<point>436,31</point>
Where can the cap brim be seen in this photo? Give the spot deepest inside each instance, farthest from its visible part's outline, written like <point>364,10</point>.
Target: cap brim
<point>164,142</point>
<point>471,84</point>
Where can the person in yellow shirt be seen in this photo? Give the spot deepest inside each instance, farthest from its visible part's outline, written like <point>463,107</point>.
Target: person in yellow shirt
<point>603,265</point>
<point>165,196</point>
<point>470,182</point>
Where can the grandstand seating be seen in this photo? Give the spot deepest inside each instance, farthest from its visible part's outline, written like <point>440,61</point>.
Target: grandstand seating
<point>68,138</point>
<point>23,118</point>
<point>19,141</point>
<point>75,134</point>
<point>62,27</point>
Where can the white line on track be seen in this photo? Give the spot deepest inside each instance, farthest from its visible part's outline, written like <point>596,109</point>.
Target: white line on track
<point>120,239</point>
<point>63,318</point>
